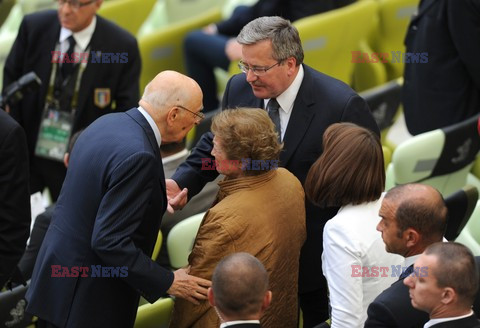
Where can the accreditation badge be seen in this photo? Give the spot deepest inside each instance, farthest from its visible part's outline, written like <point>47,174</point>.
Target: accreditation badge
<point>102,97</point>
<point>54,133</point>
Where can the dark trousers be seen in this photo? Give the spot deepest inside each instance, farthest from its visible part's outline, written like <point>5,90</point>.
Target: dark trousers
<point>204,52</point>
<point>47,173</point>
<point>314,305</point>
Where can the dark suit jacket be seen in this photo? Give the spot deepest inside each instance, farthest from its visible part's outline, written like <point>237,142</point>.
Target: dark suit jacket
<point>37,37</point>
<point>14,195</point>
<point>446,90</point>
<point>288,9</point>
<point>108,214</point>
<point>469,322</point>
<point>321,101</point>
<point>393,308</point>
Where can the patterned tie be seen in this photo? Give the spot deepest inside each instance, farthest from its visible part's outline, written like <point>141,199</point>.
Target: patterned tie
<point>406,273</point>
<point>67,68</point>
<point>274,114</point>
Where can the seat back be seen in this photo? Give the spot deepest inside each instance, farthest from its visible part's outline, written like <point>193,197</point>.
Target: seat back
<point>5,7</point>
<point>163,49</point>
<point>441,158</point>
<point>329,38</point>
<point>12,308</point>
<point>394,18</point>
<point>181,238</point>
<point>470,235</point>
<point>182,10</point>
<point>384,102</point>
<point>158,245</point>
<point>155,315</point>
<point>461,205</point>
<point>127,13</point>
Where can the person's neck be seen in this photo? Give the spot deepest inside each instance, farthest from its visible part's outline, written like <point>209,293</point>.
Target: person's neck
<point>449,312</point>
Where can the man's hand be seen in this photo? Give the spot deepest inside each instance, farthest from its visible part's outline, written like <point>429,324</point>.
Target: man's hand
<point>188,287</point>
<point>176,198</point>
<point>233,50</point>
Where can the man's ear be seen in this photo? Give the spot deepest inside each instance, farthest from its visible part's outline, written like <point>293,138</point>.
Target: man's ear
<point>211,298</point>
<point>66,158</point>
<point>267,299</point>
<point>172,115</point>
<point>448,296</point>
<point>412,237</point>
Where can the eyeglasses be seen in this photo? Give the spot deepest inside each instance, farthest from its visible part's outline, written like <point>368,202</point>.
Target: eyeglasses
<point>75,4</point>
<point>198,116</point>
<point>258,71</point>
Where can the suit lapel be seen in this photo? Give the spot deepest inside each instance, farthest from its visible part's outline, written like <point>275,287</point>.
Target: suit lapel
<point>302,115</point>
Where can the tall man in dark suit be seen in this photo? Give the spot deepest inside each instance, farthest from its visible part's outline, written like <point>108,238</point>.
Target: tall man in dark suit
<point>239,291</point>
<point>444,285</point>
<point>302,103</point>
<point>14,195</point>
<point>95,260</point>
<point>413,216</point>
<point>74,94</point>
<point>446,89</point>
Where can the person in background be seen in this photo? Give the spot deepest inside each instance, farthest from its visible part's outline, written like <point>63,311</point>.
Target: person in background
<point>350,174</point>
<point>444,285</point>
<point>240,291</point>
<point>88,67</point>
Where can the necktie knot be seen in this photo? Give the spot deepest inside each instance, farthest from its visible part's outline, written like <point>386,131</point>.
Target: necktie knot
<point>273,112</point>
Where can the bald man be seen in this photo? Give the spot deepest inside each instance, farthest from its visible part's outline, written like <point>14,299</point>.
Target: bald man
<point>413,216</point>
<point>95,260</point>
<point>239,291</point>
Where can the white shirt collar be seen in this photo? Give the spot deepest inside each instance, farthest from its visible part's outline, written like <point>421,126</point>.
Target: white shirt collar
<point>287,98</point>
<point>82,38</point>
<point>174,157</point>
<point>411,260</point>
<point>154,127</point>
<point>432,322</point>
<point>237,322</point>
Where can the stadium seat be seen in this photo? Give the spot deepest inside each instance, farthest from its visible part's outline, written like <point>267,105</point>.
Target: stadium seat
<point>5,7</point>
<point>441,158</point>
<point>394,18</point>
<point>163,49</point>
<point>470,235</point>
<point>154,315</point>
<point>329,38</point>
<point>127,13</point>
<point>461,205</point>
<point>181,238</point>
<point>384,102</point>
<point>158,245</point>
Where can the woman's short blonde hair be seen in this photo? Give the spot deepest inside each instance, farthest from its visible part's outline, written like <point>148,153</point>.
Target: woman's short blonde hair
<point>247,134</point>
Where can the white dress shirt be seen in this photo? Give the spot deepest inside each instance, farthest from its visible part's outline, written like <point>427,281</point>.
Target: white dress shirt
<point>82,38</point>
<point>286,100</point>
<point>350,239</point>
<point>152,124</point>
<point>230,323</point>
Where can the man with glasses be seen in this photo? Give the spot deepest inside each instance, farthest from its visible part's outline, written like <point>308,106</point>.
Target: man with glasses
<point>88,66</point>
<point>94,262</point>
<point>302,103</point>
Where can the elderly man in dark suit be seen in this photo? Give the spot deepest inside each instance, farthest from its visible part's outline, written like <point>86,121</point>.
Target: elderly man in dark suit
<point>14,195</point>
<point>95,260</point>
<point>444,285</point>
<point>446,89</point>
<point>76,89</point>
<point>302,104</point>
<point>239,291</point>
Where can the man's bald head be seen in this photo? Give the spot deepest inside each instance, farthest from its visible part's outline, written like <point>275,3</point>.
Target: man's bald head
<point>420,207</point>
<point>174,101</point>
<point>240,285</point>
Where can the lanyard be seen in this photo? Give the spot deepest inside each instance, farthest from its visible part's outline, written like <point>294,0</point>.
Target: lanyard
<point>51,85</point>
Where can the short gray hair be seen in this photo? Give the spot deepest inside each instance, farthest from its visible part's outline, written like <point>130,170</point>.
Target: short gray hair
<point>284,36</point>
<point>163,98</point>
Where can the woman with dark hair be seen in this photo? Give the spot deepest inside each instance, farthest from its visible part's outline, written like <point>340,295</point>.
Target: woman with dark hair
<point>260,210</point>
<point>350,174</point>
